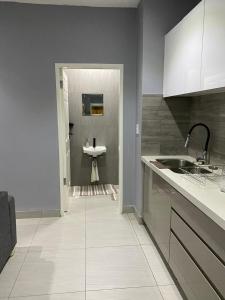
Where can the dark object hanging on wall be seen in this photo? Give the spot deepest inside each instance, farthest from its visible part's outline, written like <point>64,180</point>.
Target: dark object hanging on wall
<point>71,125</point>
<point>92,105</point>
<point>94,142</point>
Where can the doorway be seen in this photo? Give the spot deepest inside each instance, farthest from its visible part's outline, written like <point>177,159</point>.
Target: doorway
<point>64,128</point>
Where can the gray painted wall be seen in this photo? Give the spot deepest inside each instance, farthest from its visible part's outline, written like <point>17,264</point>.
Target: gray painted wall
<point>156,18</point>
<point>33,39</point>
<point>138,204</point>
<point>103,128</point>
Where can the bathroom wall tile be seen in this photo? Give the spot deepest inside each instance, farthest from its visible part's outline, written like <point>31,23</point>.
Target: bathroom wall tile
<point>105,128</point>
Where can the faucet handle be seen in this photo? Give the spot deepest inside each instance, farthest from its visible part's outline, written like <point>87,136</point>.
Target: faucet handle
<point>200,160</point>
<point>204,159</point>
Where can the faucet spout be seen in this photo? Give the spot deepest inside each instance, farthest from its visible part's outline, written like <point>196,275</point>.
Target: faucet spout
<point>205,150</point>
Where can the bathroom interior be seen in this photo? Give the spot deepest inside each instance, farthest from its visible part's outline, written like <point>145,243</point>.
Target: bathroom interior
<point>93,98</point>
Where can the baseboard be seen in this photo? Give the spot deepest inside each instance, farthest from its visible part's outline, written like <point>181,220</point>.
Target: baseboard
<point>128,209</point>
<point>132,209</point>
<point>138,216</point>
<point>38,214</point>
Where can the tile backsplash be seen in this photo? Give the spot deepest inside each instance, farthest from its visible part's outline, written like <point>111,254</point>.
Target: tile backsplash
<point>166,123</point>
<point>209,109</point>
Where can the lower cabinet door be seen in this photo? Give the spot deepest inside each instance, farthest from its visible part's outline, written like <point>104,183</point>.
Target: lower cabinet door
<point>191,279</point>
<point>160,203</point>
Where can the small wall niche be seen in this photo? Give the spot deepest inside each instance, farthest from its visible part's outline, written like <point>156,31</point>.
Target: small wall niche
<point>92,105</point>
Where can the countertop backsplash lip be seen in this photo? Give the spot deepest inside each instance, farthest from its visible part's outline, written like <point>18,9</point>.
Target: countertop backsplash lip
<point>207,198</point>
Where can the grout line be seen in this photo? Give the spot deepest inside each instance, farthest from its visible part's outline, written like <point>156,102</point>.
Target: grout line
<point>146,259</point>
<point>98,290</point>
<point>124,288</point>
<point>161,293</point>
<point>174,285</point>
<point>112,246</point>
<point>131,225</point>
<point>38,225</point>
<point>40,295</point>
<point>25,256</point>
<point>85,255</point>
<point>149,266</point>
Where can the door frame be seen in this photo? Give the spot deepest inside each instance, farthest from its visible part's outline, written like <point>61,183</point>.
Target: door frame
<point>58,69</point>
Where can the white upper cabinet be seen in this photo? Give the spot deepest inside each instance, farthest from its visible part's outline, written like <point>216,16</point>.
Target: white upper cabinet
<point>183,52</point>
<point>213,59</point>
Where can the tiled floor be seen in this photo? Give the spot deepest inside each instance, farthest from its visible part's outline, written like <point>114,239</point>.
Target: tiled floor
<point>93,253</point>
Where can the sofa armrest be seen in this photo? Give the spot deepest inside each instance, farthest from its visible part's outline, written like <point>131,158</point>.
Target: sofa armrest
<point>12,215</point>
<point>5,234</point>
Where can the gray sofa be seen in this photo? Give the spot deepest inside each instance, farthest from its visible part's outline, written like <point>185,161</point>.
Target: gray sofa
<point>7,227</point>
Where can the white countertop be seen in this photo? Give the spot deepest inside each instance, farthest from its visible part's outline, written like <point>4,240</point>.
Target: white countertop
<point>207,197</point>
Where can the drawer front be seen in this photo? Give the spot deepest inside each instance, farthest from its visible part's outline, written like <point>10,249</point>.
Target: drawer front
<point>208,230</point>
<point>212,267</point>
<point>190,278</point>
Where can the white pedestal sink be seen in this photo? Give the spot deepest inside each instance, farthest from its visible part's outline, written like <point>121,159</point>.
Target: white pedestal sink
<point>94,152</point>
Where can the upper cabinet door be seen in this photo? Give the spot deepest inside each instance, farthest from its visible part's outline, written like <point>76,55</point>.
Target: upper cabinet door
<point>213,60</point>
<point>183,52</point>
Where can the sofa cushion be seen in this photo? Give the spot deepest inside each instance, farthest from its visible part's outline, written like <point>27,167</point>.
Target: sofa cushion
<point>5,230</point>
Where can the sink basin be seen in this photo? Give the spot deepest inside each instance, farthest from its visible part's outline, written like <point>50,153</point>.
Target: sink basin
<point>94,152</point>
<point>191,170</point>
<point>176,165</point>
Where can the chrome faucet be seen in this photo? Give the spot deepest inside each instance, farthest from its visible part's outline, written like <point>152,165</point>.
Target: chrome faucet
<point>205,158</point>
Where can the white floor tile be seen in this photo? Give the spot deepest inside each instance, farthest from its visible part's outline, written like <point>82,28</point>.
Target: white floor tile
<point>67,296</point>
<point>140,231</point>
<point>76,214</point>
<point>170,292</point>
<point>145,293</point>
<point>93,204</point>
<point>49,260</point>
<point>25,234</point>
<point>102,209</point>
<point>51,272</point>
<point>157,265</point>
<point>66,219</point>
<point>9,274</point>
<point>117,267</point>
<point>113,233</point>
<point>29,221</point>
<point>60,236</point>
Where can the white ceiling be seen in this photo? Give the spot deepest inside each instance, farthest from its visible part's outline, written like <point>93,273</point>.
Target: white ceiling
<point>96,3</point>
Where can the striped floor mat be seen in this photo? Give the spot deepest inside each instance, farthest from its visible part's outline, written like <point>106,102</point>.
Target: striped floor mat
<point>96,190</point>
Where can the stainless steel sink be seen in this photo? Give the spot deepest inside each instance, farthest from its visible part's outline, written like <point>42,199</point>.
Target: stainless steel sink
<point>182,166</point>
<point>191,170</point>
<point>175,163</point>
